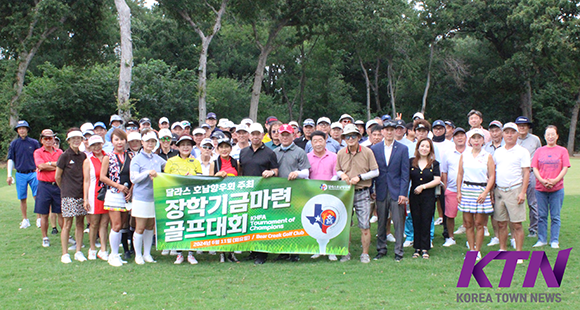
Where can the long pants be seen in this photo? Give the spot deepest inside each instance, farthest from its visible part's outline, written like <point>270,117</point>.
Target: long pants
<point>397,212</point>
<point>423,210</point>
<point>409,227</point>
<point>532,203</point>
<point>549,202</point>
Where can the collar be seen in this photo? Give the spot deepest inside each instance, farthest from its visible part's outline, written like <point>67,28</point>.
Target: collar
<point>45,150</point>
<point>392,144</point>
<point>359,149</point>
<point>288,148</point>
<point>149,156</point>
<point>324,155</point>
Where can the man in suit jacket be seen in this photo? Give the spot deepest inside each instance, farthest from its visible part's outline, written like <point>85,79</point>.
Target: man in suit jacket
<point>391,189</point>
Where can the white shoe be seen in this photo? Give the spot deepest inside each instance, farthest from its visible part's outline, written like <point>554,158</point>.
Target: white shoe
<point>407,244</point>
<point>520,261</point>
<point>539,244</point>
<point>212,252</point>
<point>478,258</point>
<point>139,260</point>
<point>345,258</point>
<point>115,260</point>
<point>92,254</point>
<point>485,231</point>
<point>38,222</point>
<point>165,252</point>
<point>65,259</point>
<point>104,255</point>
<point>149,259</point>
<point>513,243</point>
<point>222,258</point>
<point>374,219</point>
<point>173,253</point>
<point>460,230</point>
<point>332,257</point>
<point>467,244</point>
<point>315,256</point>
<point>198,252</point>
<point>178,259</point>
<point>391,238</point>
<point>449,242</point>
<point>24,224</point>
<point>45,242</point>
<point>439,221</point>
<point>71,241</point>
<point>191,259</point>
<point>80,256</point>
<point>86,231</point>
<point>493,241</point>
<point>365,258</point>
<point>555,245</point>
<point>74,247</point>
<point>237,252</point>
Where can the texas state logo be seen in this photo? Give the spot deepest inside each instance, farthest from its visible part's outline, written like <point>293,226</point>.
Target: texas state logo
<point>323,218</point>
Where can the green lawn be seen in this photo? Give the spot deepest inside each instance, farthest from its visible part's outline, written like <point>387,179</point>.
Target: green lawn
<point>33,277</point>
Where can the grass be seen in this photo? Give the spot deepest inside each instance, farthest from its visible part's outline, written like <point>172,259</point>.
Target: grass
<point>33,277</point>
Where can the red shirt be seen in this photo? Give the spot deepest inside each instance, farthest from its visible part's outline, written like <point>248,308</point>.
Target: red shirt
<point>42,156</point>
<point>228,168</point>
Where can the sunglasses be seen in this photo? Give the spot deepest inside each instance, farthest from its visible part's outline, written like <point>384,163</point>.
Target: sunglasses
<point>165,139</point>
<point>275,131</point>
<point>48,138</point>
<point>207,147</point>
<point>350,137</point>
<point>131,128</point>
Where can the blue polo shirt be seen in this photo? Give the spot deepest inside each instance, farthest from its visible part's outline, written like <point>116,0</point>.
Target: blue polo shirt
<point>21,152</point>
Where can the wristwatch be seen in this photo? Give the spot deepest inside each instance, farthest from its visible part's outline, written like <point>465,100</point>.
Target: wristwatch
<point>50,163</point>
<point>360,177</point>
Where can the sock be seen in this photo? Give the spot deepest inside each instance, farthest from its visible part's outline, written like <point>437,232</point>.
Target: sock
<point>132,247</point>
<point>138,241</point>
<point>147,242</point>
<point>124,241</point>
<point>114,239</point>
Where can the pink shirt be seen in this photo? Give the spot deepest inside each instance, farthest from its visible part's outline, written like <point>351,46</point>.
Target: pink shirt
<point>550,161</point>
<point>322,168</point>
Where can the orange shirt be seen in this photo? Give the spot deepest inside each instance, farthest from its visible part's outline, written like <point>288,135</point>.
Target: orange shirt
<point>42,156</point>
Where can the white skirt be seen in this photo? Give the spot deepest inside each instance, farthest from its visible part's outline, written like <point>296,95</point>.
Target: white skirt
<point>143,209</point>
<point>115,202</point>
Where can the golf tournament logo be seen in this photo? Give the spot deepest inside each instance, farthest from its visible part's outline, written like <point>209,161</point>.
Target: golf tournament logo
<point>323,218</point>
<point>323,187</point>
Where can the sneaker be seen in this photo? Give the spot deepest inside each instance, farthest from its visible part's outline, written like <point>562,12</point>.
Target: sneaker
<point>520,261</point>
<point>71,241</point>
<point>345,258</point>
<point>149,259</point>
<point>478,258</point>
<point>232,258</point>
<point>332,257</point>
<point>92,254</point>
<point>103,255</point>
<point>237,252</point>
<point>374,219</point>
<point>555,245</point>
<point>467,244</point>
<point>212,252</point>
<point>439,221</point>
<point>139,260</point>
<point>539,244</point>
<point>485,231</point>
<point>391,238</point>
<point>115,260</point>
<point>222,258</point>
<point>38,222</point>
<point>65,259</point>
<point>533,234</point>
<point>74,247</point>
<point>45,242</point>
<point>80,256</point>
<point>178,259</point>
<point>449,242</point>
<point>54,231</point>
<point>191,259</point>
<point>365,258</point>
<point>24,224</point>
<point>407,244</point>
<point>398,259</point>
<point>173,253</point>
<point>513,243</point>
<point>315,256</point>
<point>198,252</point>
<point>165,252</point>
<point>460,230</point>
<point>86,231</point>
<point>493,241</point>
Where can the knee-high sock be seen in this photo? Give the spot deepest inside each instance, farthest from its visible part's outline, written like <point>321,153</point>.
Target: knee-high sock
<point>138,241</point>
<point>114,240</point>
<point>147,242</point>
<point>124,240</point>
<point>132,247</point>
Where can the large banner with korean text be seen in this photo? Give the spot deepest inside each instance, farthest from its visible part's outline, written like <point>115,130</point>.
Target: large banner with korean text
<point>252,214</point>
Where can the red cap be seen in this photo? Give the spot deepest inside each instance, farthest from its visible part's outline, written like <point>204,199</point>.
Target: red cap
<point>286,128</point>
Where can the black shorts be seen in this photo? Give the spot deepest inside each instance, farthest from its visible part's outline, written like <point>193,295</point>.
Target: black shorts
<point>48,195</point>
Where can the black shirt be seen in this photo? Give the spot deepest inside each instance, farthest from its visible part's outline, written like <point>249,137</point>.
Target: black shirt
<point>254,163</point>
<point>71,163</point>
<point>419,177</point>
<point>170,154</point>
<point>301,142</point>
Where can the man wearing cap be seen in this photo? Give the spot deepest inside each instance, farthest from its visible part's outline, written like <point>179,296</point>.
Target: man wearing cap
<point>144,123</point>
<point>449,128</point>
<point>496,134</point>
<point>258,160</point>
<point>211,120</point>
<point>385,118</point>
<point>243,141</point>
<point>400,136</point>
<point>361,128</point>
<point>336,133</point>
<point>48,194</point>
<point>323,124</point>
<point>21,157</point>
<point>186,125</point>
<point>292,164</point>
<point>269,121</point>
<point>475,119</point>
<point>375,135</point>
<point>357,166</point>
<point>439,133</point>
<point>345,119</point>
<point>198,136</point>
<point>163,123</point>
<point>307,129</point>
<point>165,151</point>
<point>131,126</point>
<point>449,168</point>
<point>115,122</point>
<point>512,171</point>
<point>418,115</point>
<point>101,130</point>
<point>531,143</point>
<point>177,128</point>
<point>391,187</point>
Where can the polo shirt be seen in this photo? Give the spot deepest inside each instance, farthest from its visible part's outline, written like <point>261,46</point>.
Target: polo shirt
<point>509,164</point>
<point>253,163</point>
<point>331,145</point>
<point>322,168</point>
<point>301,142</point>
<point>195,151</point>
<point>359,162</point>
<point>450,165</point>
<point>42,156</point>
<point>291,159</point>
<point>410,146</point>
<point>170,154</point>
<point>531,143</point>
<point>486,135</point>
<point>490,148</point>
<point>142,162</point>
<point>21,152</point>
<point>71,163</point>
<point>178,165</point>
<point>235,153</point>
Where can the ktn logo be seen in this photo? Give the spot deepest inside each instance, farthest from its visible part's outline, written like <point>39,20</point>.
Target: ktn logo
<point>538,261</point>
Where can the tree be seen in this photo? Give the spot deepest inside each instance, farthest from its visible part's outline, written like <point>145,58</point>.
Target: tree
<point>126,66</point>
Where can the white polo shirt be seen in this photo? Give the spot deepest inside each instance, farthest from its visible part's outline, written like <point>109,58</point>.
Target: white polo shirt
<point>509,164</point>
<point>450,165</point>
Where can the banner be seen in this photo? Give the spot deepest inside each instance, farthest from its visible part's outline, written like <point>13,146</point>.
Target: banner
<point>252,214</point>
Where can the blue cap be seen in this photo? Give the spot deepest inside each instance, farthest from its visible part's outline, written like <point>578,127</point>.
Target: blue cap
<point>308,122</point>
<point>401,123</point>
<point>100,124</point>
<point>458,130</point>
<point>438,123</point>
<point>211,115</point>
<point>523,120</point>
<point>450,123</point>
<point>22,124</point>
<point>385,117</point>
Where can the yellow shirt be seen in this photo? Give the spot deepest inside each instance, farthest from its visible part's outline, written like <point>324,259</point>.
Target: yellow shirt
<point>178,165</point>
<point>266,138</point>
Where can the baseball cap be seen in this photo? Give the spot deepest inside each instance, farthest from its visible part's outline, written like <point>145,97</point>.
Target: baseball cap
<point>323,119</point>
<point>336,125</point>
<point>247,121</point>
<point>286,128</point>
<point>131,123</point>
<point>206,141</point>
<point>359,122</point>
<point>308,122</point>
<point>134,136</point>
<point>475,112</point>
<point>74,133</point>
<point>88,132</point>
<point>294,124</point>
<point>100,124</point>
<point>350,129</point>
<point>438,123</point>
<point>217,135</point>
<point>163,120</point>
<point>450,123</point>
<point>185,124</point>
<point>165,133</point>
<point>476,131</point>
<point>346,116</point>
<point>198,131</point>
<point>495,123</point>
<point>145,120</point>
<point>271,119</point>
<point>177,124</point>
<point>224,122</point>
<point>204,125</point>
<point>95,139</point>
<point>400,123</point>
<point>256,127</point>
<point>242,127</point>
<point>421,126</point>
<point>523,120</point>
<point>385,117</point>
<point>224,140</point>
<point>458,130</point>
<point>418,115</point>
<point>115,117</point>
<point>149,136</point>
<point>510,125</point>
<point>211,115</point>
<point>389,123</point>
<point>47,133</point>
<point>370,123</point>
<point>184,138</point>
<point>87,126</point>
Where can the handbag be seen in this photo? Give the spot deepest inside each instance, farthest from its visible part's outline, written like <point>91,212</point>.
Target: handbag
<point>102,193</point>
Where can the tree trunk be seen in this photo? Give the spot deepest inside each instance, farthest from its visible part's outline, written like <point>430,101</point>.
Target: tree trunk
<point>391,88</point>
<point>126,67</point>
<point>368,86</point>
<point>526,100</point>
<point>23,62</point>
<point>573,124</point>
<point>376,85</point>
<point>428,83</point>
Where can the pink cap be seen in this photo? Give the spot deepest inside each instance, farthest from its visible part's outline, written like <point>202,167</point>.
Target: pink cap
<point>286,128</point>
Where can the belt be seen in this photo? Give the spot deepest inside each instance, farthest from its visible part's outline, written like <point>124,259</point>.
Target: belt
<point>507,189</point>
<point>49,183</point>
<point>474,183</point>
<point>26,171</point>
<point>361,189</point>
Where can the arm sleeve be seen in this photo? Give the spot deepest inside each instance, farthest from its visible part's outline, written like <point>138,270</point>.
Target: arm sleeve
<point>537,154</point>
<point>371,174</point>
<point>60,162</point>
<point>10,166</point>
<point>303,174</point>
<point>303,162</point>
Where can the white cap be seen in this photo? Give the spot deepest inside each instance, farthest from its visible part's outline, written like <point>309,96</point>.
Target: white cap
<point>163,120</point>
<point>336,125</point>
<point>134,136</point>
<point>475,131</point>
<point>73,134</point>
<point>247,121</point>
<point>323,119</point>
<point>177,124</point>
<point>164,133</point>
<point>87,126</point>
<point>149,136</point>
<point>242,127</point>
<point>511,125</point>
<point>95,139</point>
<point>293,123</point>
<point>198,131</point>
<point>224,122</point>
<point>206,141</point>
<point>370,123</point>
<point>256,127</point>
<point>115,117</point>
<point>418,115</point>
<point>350,129</point>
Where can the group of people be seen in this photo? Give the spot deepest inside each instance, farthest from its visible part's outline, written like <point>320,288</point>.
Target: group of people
<point>401,173</point>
